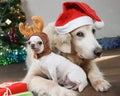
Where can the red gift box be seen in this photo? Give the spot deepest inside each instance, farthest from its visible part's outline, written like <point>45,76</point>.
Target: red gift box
<point>8,88</point>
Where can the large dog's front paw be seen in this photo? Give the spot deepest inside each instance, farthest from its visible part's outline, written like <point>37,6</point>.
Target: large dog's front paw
<point>101,85</point>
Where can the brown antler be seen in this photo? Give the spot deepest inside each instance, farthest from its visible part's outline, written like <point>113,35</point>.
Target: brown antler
<point>25,30</point>
<point>37,26</point>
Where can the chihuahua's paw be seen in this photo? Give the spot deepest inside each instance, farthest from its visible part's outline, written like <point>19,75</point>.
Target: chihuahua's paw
<point>82,86</point>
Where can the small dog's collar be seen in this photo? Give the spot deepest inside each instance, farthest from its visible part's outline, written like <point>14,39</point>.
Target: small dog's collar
<point>37,56</point>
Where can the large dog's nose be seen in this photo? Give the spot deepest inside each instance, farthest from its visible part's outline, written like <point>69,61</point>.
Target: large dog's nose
<point>98,51</point>
<point>32,46</point>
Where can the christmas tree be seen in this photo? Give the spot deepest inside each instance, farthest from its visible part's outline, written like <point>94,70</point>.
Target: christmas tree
<point>11,40</point>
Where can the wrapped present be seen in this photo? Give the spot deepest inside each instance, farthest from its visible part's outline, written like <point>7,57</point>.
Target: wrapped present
<point>9,88</point>
<point>23,94</point>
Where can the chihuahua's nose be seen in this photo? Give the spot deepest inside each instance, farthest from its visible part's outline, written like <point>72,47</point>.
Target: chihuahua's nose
<point>98,51</point>
<point>32,46</point>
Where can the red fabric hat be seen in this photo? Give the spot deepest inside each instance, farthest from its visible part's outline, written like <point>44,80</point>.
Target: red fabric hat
<point>74,15</point>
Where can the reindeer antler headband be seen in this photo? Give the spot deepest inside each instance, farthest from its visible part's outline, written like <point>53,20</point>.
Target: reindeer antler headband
<point>36,27</point>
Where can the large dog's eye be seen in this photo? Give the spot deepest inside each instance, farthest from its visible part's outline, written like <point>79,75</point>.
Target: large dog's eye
<point>39,42</point>
<point>28,42</point>
<point>80,34</point>
<point>93,30</point>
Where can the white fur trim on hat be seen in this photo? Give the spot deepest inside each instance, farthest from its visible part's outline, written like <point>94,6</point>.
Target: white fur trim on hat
<point>73,24</point>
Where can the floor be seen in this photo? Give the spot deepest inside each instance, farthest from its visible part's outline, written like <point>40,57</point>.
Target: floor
<point>109,64</point>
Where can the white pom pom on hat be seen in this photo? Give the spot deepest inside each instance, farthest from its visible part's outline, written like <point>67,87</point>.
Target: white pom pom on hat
<point>98,24</point>
<point>76,14</point>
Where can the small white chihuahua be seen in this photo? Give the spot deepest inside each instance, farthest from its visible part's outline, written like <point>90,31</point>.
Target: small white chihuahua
<point>54,66</point>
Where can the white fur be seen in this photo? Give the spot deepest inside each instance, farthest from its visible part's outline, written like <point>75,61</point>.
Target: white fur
<point>29,58</point>
<point>34,40</point>
<point>63,71</point>
<point>43,87</point>
<point>84,48</point>
<point>57,68</point>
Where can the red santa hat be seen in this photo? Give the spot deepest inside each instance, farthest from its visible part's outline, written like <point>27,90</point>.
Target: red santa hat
<point>76,14</point>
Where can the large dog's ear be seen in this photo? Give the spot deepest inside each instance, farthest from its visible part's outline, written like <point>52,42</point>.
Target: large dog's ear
<point>63,42</point>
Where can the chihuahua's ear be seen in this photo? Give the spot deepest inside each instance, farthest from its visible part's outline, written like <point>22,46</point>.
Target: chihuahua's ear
<point>63,42</point>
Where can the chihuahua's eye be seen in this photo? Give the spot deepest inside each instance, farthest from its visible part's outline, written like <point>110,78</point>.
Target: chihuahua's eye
<point>39,42</point>
<point>80,34</point>
<point>93,30</point>
<point>29,42</point>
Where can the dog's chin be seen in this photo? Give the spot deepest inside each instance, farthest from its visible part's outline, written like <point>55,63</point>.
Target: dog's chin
<point>35,50</point>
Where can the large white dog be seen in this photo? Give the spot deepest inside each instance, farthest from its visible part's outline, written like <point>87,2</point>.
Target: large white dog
<point>73,36</point>
<point>81,47</point>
